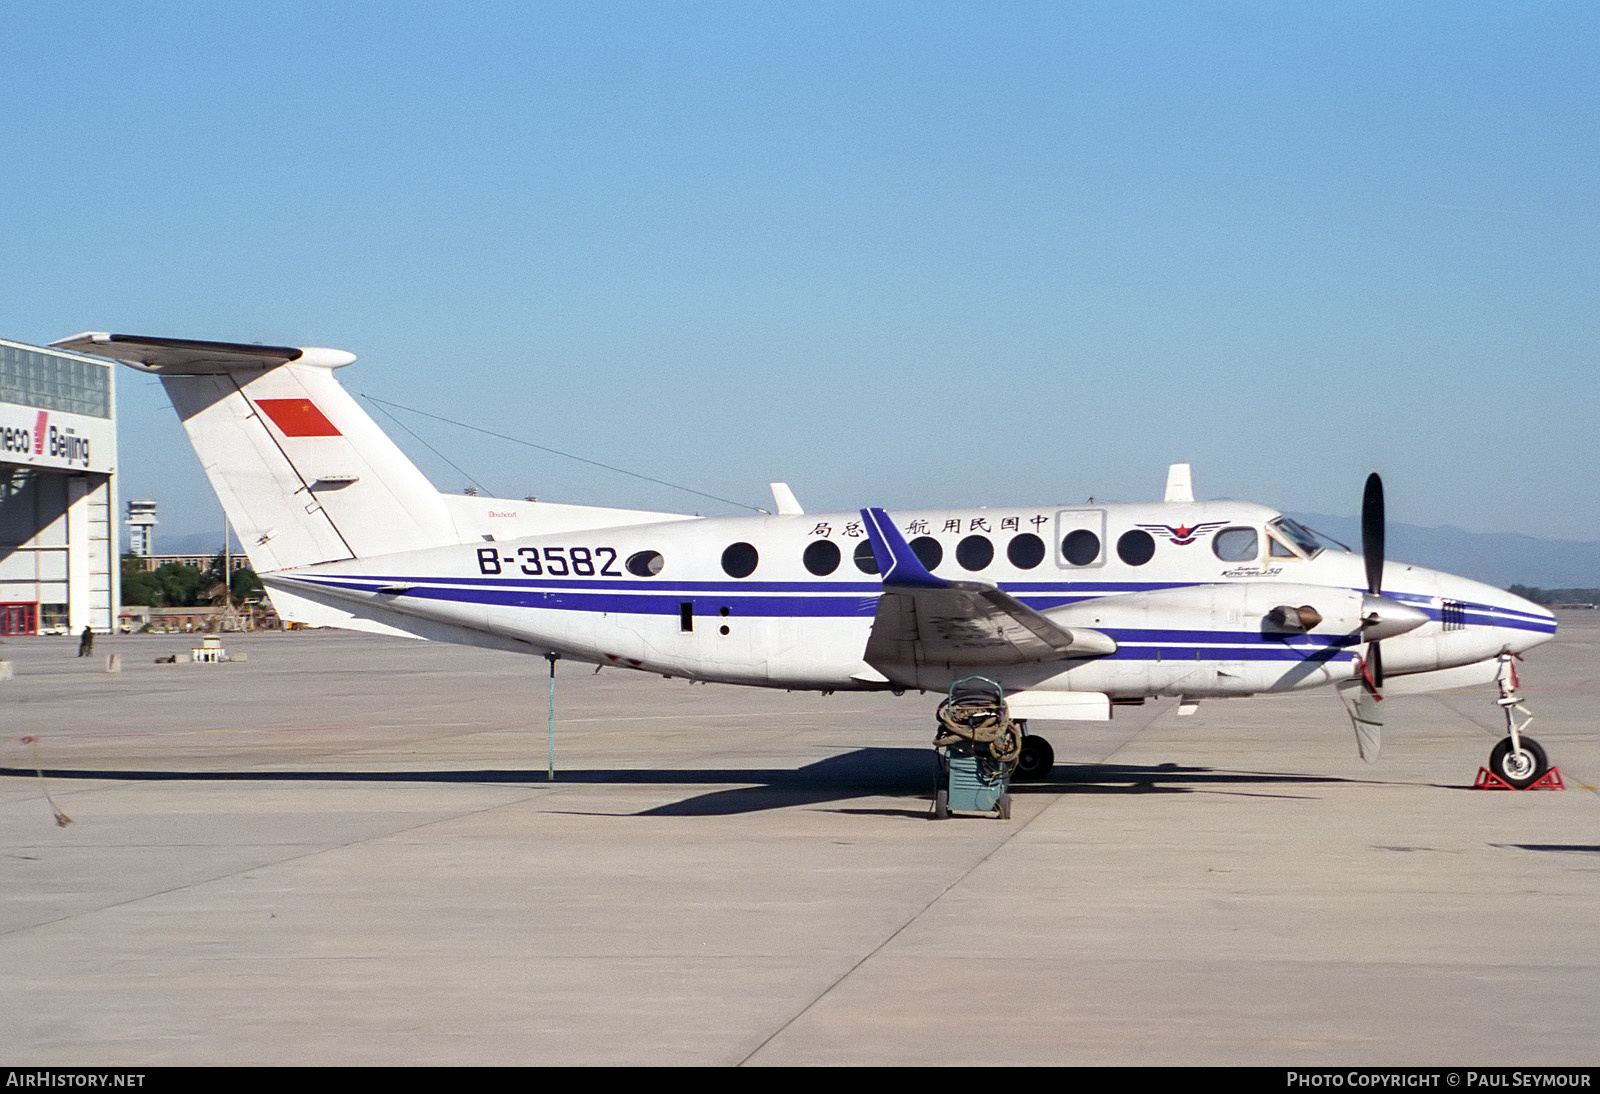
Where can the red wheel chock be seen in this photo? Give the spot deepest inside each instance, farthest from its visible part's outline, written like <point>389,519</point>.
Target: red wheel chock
<point>1488,780</point>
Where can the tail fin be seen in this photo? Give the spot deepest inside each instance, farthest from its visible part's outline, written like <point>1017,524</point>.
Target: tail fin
<point>303,473</point>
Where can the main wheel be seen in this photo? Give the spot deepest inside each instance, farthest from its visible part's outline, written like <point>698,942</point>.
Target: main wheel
<point>1520,769</point>
<point>1036,760</point>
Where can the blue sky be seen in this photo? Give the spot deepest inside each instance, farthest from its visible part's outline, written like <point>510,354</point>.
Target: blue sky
<point>896,254</point>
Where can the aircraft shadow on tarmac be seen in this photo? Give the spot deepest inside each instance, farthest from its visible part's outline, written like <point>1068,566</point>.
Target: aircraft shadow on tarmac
<point>865,772</point>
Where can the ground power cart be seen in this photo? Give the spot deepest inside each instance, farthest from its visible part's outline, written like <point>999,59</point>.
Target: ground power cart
<point>977,745</point>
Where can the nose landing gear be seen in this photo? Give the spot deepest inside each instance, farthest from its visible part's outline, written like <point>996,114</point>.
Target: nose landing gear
<point>1518,761</point>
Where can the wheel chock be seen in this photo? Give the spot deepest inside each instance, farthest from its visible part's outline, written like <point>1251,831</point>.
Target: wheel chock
<point>1550,780</point>
<point>1488,780</point>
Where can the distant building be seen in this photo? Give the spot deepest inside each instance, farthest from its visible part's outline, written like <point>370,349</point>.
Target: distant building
<point>236,561</point>
<point>141,528</point>
<point>58,458</point>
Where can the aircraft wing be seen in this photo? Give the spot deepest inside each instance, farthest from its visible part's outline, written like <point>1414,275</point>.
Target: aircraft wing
<point>926,620</point>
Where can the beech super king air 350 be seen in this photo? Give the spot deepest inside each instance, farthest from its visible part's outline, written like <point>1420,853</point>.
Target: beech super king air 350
<point>1068,609</point>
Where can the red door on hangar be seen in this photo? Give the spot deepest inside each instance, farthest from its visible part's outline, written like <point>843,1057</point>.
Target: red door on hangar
<point>19,618</point>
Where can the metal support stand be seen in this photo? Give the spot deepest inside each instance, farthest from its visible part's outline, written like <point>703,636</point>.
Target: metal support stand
<point>551,751</point>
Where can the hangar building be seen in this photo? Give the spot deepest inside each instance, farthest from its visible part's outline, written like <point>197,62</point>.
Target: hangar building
<point>59,570</point>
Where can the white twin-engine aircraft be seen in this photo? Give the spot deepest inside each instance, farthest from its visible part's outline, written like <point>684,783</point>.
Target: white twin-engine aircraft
<point>1070,609</point>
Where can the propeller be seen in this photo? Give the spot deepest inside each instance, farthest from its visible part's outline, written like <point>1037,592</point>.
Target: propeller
<point>1372,555</point>
<point>1381,617</point>
<point>1364,715</point>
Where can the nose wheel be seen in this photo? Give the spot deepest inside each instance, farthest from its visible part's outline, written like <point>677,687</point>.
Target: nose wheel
<point>1518,766</point>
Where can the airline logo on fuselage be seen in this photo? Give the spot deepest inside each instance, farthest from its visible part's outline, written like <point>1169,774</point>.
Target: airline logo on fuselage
<point>1183,534</point>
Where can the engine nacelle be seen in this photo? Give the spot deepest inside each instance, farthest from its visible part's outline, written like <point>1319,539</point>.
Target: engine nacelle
<point>1269,606</point>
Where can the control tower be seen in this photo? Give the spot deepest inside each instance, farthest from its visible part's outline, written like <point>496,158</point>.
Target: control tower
<point>141,528</point>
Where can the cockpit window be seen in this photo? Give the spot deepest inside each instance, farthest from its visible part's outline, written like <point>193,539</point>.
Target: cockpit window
<point>1303,538</point>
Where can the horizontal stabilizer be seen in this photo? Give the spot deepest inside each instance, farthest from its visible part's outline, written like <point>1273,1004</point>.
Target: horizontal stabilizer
<point>188,357</point>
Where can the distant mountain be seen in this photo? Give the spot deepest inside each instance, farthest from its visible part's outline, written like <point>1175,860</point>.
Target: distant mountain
<point>1500,559</point>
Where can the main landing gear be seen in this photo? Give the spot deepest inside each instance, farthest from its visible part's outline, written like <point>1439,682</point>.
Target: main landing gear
<point>1518,760</point>
<point>1036,759</point>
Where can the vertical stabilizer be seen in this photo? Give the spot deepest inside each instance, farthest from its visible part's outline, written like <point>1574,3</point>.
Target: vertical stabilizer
<point>304,474</point>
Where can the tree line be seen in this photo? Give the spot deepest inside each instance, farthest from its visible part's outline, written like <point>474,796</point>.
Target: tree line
<point>177,585</point>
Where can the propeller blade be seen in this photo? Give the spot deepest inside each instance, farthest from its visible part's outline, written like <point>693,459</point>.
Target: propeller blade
<point>1372,532</point>
<point>1375,666</point>
<point>1368,724</point>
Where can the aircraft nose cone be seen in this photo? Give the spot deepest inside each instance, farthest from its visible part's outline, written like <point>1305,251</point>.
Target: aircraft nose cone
<point>1521,605</point>
<point>1382,618</point>
<point>1543,627</point>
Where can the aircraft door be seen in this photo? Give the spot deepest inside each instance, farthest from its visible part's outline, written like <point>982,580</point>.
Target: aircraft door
<point>19,618</point>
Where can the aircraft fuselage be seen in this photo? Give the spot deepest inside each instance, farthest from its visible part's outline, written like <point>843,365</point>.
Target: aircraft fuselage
<point>1185,590</point>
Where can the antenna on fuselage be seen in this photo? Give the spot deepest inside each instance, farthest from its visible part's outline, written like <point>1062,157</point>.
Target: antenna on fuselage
<point>1180,485</point>
<point>785,501</point>
<point>550,754</point>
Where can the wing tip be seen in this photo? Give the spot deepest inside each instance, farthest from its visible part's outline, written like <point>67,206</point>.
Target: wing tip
<point>897,562</point>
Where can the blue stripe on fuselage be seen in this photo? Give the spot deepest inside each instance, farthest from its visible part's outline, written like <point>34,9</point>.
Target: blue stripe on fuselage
<point>814,599</point>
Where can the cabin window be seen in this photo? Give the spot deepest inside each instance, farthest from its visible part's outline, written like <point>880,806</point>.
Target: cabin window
<point>1082,547</point>
<point>1236,545</point>
<point>975,552</point>
<point>1025,551</point>
<point>644,563</point>
<point>928,551</point>
<point>821,557</point>
<point>1135,548</point>
<point>865,560</point>
<point>739,560</point>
